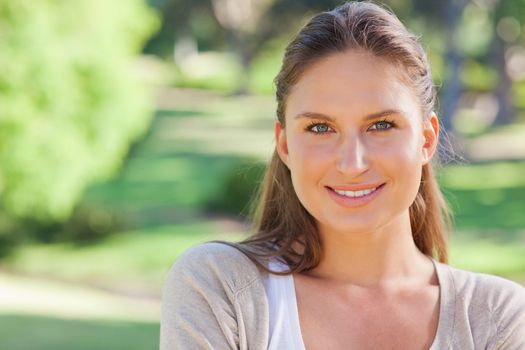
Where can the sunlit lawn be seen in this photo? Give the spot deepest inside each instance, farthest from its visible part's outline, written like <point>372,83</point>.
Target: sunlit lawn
<point>132,262</point>
<point>490,255</point>
<point>27,332</point>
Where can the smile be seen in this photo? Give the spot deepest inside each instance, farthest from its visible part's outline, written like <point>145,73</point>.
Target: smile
<point>356,198</point>
<point>355,194</point>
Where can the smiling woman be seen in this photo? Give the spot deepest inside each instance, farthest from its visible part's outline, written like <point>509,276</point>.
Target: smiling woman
<point>350,249</point>
<point>358,149</point>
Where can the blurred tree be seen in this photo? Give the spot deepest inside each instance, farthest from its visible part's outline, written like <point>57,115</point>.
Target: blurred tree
<point>184,19</point>
<point>446,16</point>
<point>485,32</point>
<point>70,102</point>
<point>242,26</point>
<point>507,18</point>
<point>241,19</point>
<point>464,29</point>
<point>454,59</point>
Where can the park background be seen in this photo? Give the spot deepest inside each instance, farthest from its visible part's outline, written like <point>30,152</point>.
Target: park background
<point>132,130</point>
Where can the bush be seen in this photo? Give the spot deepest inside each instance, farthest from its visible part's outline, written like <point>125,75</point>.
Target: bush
<point>239,189</point>
<point>89,224</point>
<point>70,101</point>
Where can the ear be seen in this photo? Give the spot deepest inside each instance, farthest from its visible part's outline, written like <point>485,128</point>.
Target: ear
<point>281,144</point>
<point>430,137</point>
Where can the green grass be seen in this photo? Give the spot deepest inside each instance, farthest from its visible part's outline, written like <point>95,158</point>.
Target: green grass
<point>19,332</point>
<point>488,255</point>
<point>132,261</point>
<point>486,196</point>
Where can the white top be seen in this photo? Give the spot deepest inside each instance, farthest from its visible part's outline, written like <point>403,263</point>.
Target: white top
<point>285,330</point>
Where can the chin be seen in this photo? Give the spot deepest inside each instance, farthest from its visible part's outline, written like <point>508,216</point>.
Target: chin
<point>365,223</point>
<point>350,228</point>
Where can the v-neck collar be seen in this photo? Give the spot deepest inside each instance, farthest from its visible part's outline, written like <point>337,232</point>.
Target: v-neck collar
<point>447,308</point>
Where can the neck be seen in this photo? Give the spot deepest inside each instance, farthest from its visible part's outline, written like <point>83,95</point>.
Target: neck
<point>386,256</point>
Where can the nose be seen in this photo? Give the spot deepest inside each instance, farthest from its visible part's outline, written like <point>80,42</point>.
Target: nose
<point>352,157</point>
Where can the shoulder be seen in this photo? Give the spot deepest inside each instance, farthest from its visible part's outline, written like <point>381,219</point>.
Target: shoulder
<point>213,297</point>
<point>491,291</point>
<point>216,264</point>
<point>491,303</point>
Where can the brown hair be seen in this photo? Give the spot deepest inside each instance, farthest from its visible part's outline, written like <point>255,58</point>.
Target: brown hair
<point>284,228</point>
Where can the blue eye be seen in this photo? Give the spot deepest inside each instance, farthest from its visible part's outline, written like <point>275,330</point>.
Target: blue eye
<point>318,128</point>
<point>382,125</point>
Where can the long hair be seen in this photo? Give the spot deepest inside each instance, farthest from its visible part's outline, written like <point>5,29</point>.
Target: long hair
<point>283,227</point>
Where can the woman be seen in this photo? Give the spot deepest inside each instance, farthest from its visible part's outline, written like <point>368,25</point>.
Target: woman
<point>350,251</point>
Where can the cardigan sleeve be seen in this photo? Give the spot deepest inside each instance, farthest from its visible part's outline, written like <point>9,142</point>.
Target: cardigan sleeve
<point>198,305</point>
<point>511,319</point>
<point>214,298</point>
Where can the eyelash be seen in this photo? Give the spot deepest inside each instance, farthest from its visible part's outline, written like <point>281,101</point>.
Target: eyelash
<point>387,121</point>
<point>311,125</point>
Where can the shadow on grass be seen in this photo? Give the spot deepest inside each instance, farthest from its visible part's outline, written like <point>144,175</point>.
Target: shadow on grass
<point>164,190</point>
<point>501,208</point>
<point>486,195</point>
<point>21,332</point>
<point>173,113</point>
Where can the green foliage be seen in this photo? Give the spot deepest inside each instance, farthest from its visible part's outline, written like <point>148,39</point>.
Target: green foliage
<point>210,70</point>
<point>70,101</point>
<point>475,31</point>
<point>181,18</point>
<point>478,77</point>
<point>518,94</point>
<point>266,66</point>
<point>239,188</point>
<point>88,224</point>
<point>180,166</point>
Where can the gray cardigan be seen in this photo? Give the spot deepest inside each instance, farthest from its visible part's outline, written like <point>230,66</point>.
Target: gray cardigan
<point>214,298</point>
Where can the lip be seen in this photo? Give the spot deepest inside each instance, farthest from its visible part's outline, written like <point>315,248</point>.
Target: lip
<point>359,187</point>
<point>353,202</point>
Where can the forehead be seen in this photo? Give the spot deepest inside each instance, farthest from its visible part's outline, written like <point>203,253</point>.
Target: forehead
<point>351,83</point>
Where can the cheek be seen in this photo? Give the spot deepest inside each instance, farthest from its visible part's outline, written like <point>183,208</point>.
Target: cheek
<point>401,161</point>
<point>404,162</point>
<point>405,149</point>
<point>307,155</point>
<point>308,164</point>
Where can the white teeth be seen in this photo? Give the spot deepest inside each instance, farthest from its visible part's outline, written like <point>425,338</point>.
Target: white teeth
<point>354,194</point>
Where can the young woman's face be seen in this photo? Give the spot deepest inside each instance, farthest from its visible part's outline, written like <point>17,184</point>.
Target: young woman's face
<point>355,142</point>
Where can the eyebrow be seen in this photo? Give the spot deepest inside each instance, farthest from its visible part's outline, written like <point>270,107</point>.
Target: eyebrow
<point>314,115</point>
